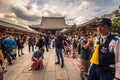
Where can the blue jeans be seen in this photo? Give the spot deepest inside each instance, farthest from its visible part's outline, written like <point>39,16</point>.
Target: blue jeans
<point>59,55</point>
<point>47,46</point>
<point>32,48</point>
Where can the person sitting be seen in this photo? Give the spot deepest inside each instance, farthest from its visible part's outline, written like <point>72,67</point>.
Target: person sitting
<point>37,59</point>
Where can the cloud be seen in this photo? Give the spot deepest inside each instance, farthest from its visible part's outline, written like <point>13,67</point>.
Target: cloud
<point>51,11</point>
<point>80,20</point>
<point>29,12</point>
<point>23,14</point>
<point>1,15</point>
<point>10,15</point>
<point>84,5</point>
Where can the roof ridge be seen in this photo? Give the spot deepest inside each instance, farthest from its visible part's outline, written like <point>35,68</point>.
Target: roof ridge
<point>53,17</point>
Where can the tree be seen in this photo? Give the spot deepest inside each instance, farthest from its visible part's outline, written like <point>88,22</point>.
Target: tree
<point>116,25</point>
<point>74,26</point>
<point>116,22</point>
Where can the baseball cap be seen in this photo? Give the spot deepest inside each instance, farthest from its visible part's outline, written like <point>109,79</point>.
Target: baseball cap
<point>103,21</point>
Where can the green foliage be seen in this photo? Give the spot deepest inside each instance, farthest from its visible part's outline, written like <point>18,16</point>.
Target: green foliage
<point>74,26</point>
<point>116,24</point>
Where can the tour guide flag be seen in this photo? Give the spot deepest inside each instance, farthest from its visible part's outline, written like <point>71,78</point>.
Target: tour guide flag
<point>95,57</point>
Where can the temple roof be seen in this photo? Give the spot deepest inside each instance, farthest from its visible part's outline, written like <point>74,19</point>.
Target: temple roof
<point>51,23</point>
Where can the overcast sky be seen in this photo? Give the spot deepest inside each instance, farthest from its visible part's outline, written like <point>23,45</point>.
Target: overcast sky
<point>29,12</point>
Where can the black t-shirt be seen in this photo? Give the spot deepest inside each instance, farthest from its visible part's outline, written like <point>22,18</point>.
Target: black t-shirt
<point>47,39</point>
<point>40,43</point>
<point>58,42</point>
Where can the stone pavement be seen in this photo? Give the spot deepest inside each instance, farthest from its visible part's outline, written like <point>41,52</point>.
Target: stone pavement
<point>20,68</point>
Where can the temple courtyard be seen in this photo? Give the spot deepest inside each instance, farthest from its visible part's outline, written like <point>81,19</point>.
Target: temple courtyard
<point>19,70</point>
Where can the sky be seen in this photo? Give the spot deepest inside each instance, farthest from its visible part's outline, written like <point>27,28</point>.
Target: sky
<point>29,12</point>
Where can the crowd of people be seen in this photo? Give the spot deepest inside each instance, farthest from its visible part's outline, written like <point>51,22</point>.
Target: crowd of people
<point>98,54</point>
<point>99,58</point>
<point>9,44</point>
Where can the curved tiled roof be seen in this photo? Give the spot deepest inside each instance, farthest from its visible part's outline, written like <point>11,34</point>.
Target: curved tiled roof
<point>52,23</point>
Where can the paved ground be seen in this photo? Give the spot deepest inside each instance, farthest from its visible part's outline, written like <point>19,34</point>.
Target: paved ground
<point>20,68</point>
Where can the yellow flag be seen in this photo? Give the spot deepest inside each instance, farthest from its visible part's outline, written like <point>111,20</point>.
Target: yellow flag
<point>95,57</point>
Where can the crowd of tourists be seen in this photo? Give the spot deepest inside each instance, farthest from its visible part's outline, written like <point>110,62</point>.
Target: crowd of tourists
<point>9,44</point>
<point>98,54</point>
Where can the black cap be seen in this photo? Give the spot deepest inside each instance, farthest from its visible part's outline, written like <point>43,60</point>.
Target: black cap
<point>103,21</point>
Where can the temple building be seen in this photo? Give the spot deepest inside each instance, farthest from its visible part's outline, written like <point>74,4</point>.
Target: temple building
<point>51,24</point>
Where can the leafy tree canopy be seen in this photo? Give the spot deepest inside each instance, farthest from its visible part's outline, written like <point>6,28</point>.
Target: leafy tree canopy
<point>116,22</point>
<point>74,26</point>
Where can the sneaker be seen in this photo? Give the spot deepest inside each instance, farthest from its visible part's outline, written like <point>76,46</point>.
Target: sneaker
<point>4,70</point>
<point>47,50</point>
<point>57,63</point>
<point>13,58</point>
<point>62,66</point>
<point>22,53</point>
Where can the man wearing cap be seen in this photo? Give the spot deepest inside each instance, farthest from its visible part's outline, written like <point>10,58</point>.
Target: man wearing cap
<point>108,46</point>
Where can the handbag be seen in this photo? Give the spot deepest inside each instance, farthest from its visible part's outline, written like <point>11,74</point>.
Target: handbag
<point>14,51</point>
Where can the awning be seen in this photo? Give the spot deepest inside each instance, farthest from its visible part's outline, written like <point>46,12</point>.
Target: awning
<point>17,27</point>
<point>63,30</point>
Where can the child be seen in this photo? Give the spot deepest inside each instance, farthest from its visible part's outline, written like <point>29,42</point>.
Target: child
<point>37,59</point>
